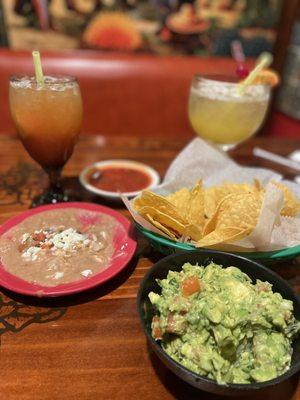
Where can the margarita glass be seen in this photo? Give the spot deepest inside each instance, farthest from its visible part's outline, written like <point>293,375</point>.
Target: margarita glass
<point>220,113</point>
<point>48,119</point>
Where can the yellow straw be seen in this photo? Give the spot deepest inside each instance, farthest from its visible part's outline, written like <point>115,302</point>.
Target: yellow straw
<point>38,67</point>
<point>263,61</point>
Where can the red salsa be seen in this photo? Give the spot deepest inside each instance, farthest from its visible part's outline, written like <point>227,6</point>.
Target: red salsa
<point>119,179</point>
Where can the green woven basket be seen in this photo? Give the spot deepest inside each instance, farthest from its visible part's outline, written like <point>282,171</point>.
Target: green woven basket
<point>168,246</point>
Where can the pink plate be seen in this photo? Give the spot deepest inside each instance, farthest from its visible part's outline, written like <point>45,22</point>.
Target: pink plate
<point>124,244</point>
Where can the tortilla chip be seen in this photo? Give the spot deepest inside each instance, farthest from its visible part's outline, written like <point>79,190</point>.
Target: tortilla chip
<point>195,206</point>
<point>223,235</point>
<point>160,227</point>
<point>257,184</point>
<point>176,224</point>
<point>180,199</point>
<point>236,210</point>
<point>291,206</point>
<point>160,203</point>
<point>214,195</point>
<point>193,231</point>
<point>190,204</point>
<point>166,220</point>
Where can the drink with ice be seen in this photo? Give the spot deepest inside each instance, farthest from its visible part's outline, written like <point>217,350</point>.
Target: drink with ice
<point>48,119</point>
<point>222,115</point>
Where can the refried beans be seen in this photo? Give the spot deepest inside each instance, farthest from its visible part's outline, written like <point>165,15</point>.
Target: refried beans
<point>60,246</point>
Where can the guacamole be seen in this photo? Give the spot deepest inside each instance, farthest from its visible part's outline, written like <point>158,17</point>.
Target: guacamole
<point>217,323</point>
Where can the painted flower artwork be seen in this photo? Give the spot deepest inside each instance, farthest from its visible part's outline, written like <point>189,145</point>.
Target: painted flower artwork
<point>113,31</point>
<point>196,27</point>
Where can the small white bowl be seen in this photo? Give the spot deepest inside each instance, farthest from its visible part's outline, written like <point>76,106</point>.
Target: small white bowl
<point>153,175</point>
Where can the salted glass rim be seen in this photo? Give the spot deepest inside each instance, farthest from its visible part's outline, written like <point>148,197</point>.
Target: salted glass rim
<point>209,79</point>
<point>58,79</point>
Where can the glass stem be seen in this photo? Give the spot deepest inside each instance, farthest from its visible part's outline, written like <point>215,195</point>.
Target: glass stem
<point>55,192</point>
<point>222,148</point>
<point>226,147</point>
<point>54,175</point>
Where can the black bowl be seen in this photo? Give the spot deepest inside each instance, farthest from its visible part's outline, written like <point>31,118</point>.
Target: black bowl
<point>255,271</point>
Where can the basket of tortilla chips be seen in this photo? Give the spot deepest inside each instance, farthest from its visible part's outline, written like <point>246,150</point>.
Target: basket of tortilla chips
<point>258,217</point>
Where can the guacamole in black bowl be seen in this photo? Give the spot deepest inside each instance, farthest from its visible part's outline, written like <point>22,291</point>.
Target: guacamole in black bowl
<point>222,323</point>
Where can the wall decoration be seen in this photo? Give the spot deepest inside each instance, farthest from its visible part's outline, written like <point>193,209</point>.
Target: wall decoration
<point>199,27</point>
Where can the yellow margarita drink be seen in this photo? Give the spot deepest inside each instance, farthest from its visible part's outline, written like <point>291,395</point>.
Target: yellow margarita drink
<point>220,114</point>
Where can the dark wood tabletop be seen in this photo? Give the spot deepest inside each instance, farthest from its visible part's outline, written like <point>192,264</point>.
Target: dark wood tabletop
<point>91,346</point>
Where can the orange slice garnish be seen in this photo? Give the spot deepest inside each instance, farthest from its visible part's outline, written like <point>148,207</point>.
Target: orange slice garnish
<point>267,77</point>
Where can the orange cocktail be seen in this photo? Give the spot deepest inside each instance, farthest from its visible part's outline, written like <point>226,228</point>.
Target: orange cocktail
<point>48,120</point>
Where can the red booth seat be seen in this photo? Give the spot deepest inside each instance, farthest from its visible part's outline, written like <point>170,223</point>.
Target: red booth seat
<point>139,95</point>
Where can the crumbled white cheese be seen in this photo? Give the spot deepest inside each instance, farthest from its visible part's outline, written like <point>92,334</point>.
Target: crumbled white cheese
<point>96,246</point>
<point>58,275</point>
<point>31,253</point>
<point>67,239</point>
<point>86,272</point>
<point>25,237</point>
<point>62,243</point>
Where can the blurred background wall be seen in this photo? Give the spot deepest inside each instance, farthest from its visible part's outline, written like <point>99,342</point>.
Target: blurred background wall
<point>200,27</point>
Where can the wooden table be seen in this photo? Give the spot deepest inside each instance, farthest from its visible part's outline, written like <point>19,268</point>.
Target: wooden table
<point>91,346</point>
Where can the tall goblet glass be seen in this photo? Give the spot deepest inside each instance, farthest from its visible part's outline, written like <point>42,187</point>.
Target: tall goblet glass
<point>221,114</point>
<point>48,119</point>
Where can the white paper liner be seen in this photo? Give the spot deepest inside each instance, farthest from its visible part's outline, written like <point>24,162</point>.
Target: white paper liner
<point>201,160</point>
